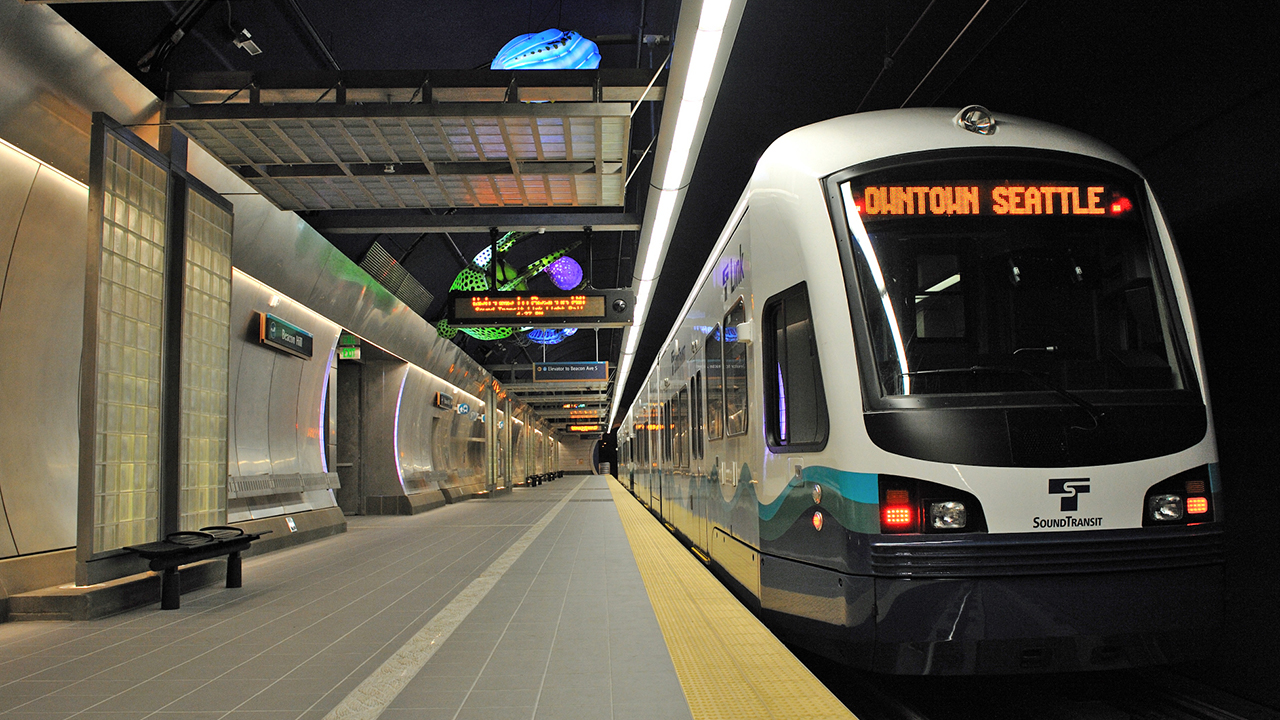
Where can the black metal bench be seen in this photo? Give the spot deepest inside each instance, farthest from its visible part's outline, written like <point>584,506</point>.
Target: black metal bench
<point>189,546</point>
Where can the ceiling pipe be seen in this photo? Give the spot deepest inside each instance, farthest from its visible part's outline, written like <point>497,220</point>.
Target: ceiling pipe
<point>311,33</point>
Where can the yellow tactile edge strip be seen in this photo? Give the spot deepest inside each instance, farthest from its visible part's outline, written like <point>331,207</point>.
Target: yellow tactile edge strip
<point>729,664</point>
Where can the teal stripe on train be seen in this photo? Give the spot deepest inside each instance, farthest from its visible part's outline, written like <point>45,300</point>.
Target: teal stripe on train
<point>851,498</point>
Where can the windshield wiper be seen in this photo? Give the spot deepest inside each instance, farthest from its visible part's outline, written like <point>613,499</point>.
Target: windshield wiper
<point>1094,413</point>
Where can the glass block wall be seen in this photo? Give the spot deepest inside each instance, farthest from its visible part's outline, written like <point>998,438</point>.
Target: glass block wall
<point>206,333</point>
<point>130,313</point>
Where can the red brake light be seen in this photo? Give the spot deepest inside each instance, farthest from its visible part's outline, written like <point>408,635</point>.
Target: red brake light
<point>897,516</point>
<point>1197,505</point>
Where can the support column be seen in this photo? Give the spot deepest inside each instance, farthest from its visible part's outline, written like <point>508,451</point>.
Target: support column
<point>491,437</point>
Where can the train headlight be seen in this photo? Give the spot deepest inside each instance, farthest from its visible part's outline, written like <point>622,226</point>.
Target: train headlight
<point>1164,507</point>
<point>948,515</point>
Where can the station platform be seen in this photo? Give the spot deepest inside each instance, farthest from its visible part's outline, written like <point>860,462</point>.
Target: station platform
<point>566,600</point>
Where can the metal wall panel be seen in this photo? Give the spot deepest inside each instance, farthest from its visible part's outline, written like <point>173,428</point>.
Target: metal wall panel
<point>51,80</point>
<point>380,396</point>
<point>413,432</point>
<point>17,173</point>
<point>276,436</point>
<point>43,304</point>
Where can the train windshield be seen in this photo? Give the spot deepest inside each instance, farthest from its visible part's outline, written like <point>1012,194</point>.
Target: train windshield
<point>989,277</point>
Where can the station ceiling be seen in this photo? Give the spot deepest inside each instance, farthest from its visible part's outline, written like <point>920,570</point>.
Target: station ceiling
<point>1187,91</point>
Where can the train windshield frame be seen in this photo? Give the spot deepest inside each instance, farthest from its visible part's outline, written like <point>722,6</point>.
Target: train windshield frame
<point>1008,278</point>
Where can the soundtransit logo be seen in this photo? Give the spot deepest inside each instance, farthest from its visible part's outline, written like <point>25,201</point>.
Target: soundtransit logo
<point>1073,488</point>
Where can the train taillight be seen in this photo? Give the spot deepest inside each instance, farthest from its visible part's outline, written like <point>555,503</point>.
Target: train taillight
<point>1179,500</point>
<point>898,518</point>
<point>910,505</point>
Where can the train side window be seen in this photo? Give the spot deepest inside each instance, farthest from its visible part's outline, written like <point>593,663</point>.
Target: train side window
<point>682,428</point>
<point>795,403</point>
<point>696,430</point>
<point>715,386</point>
<point>666,432</point>
<point>734,367</point>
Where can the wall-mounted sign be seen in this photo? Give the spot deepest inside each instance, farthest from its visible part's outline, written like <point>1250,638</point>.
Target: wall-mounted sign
<point>346,339</point>
<point>463,408</point>
<point>276,333</point>
<point>595,308</point>
<point>346,352</point>
<point>443,401</point>
<point>570,371</point>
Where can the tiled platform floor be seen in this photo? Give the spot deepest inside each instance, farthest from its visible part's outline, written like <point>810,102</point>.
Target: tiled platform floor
<point>528,605</point>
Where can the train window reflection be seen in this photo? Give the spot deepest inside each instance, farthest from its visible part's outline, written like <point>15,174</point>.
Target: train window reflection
<point>735,371</point>
<point>715,386</point>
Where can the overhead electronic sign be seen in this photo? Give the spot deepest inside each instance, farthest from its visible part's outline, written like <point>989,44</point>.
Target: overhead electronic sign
<point>590,308</point>
<point>1013,198</point>
<point>584,428</point>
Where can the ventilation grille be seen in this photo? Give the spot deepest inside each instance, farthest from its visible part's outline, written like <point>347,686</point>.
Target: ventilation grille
<point>396,279</point>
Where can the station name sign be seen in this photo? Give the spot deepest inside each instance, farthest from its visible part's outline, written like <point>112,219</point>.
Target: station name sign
<point>287,337</point>
<point>1002,199</point>
<point>595,308</point>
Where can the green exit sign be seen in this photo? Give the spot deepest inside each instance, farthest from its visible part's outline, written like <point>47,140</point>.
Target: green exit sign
<point>348,353</point>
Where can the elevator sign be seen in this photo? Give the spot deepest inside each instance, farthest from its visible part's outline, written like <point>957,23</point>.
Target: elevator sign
<point>1026,197</point>
<point>570,372</point>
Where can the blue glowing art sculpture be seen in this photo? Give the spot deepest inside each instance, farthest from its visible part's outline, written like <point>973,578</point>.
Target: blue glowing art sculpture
<point>548,50</point>
<point>550,336</point>
<point>566,273</point>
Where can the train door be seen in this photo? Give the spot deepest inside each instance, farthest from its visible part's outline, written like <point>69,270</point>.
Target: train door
<point>664,463</point>
<point>681,484</point>
<point>698,490</point>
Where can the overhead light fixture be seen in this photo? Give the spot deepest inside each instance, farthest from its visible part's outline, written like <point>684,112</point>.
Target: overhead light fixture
<point>244,41</point>
<point>707,42</point>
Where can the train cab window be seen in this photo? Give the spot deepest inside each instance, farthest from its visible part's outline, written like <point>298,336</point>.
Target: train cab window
<point>1015,274</point>
<point>715,386</point>
<point>734,364</point>
<point>795,403</point>
<point>939,297</point>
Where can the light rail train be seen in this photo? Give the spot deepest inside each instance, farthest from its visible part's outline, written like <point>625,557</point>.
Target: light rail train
<point>937,403</point>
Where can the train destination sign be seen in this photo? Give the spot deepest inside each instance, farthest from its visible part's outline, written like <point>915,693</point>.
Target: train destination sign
<point>281,335</point>
<point>595,308</point>
<point>976,198</point>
